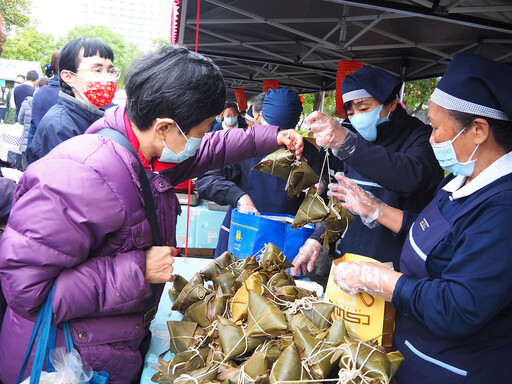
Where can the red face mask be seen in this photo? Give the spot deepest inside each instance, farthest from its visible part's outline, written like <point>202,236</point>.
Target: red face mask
<point>100,93</point>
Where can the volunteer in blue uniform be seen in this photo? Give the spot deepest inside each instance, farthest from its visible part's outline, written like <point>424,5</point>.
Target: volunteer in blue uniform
<point>239,186</point>
<point>453,297</point>
<point>385,151</point>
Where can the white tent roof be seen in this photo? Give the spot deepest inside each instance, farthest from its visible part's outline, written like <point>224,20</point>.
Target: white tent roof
<point>9,69</point>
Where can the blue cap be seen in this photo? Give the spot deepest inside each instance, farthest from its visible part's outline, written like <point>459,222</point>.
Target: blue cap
<point>370,82</point>
<point>476,85</point>
<point>282,107</point>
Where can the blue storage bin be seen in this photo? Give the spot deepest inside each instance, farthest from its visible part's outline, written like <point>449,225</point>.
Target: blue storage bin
<point>249,234</point>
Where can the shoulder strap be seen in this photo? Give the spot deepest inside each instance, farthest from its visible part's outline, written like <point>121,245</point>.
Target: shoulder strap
<point>149,203</point>
<point>480,199</point>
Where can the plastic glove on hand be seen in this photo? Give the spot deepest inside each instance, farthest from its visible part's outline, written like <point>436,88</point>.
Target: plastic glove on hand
<point>245,205</point>
<point>357,200</point>
<point>374,278</point>
<point>306,258</point>
<point>328,132</point>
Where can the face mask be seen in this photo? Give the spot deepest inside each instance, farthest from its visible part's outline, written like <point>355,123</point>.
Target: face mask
<point>447,158</point>
<point>366,123</point>
<point>217,118</point>
<point>190,150</point>
<point>100,93</point>
<point>231,120</point>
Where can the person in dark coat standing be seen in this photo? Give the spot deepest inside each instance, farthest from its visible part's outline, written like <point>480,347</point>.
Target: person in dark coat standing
<point>46,97</point>
<point>383,150</point>
<point>452,298</point>
<point>22,91</point>
<point>88,84</point>
<point>239,186</point>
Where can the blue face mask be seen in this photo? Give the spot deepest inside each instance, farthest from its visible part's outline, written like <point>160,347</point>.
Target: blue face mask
<point>231,120</point>
<point>366,123</point>
<point>218,119</point>
<point>190,150</point>
<point>447,158</point>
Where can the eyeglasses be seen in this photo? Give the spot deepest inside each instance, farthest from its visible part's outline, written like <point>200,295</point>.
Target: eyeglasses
<point>114,73</point>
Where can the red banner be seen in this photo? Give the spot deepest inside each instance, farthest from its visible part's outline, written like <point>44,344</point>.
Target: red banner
<point>270,84</point>
<point>241,99</point>
<point>344,68</point>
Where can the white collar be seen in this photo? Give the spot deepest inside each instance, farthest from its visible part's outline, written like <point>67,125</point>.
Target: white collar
<point>500,168</point>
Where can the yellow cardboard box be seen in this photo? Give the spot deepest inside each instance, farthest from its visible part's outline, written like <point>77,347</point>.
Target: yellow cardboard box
<point>365,316</point>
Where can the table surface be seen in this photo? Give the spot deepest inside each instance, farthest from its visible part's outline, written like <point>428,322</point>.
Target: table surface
<point>160,340</point>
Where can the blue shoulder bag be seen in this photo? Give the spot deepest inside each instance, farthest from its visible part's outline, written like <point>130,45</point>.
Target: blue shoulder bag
<point>46,342</point>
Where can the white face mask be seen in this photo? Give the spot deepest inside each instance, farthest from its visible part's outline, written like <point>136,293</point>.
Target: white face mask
<point>231,120</point>
<point>190,150</point>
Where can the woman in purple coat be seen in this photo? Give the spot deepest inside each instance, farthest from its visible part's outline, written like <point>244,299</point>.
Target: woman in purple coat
<point>78,220</point>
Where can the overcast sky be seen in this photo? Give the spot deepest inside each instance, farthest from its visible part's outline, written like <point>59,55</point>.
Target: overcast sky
<point>58,18</point>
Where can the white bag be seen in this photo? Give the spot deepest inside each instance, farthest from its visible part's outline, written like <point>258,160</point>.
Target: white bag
<point>11,139</point>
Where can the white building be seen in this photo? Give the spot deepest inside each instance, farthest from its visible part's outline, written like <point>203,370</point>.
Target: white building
<point>137,21</point>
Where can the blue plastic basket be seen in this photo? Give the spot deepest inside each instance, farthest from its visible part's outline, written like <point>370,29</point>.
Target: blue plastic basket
<point>249,234</point>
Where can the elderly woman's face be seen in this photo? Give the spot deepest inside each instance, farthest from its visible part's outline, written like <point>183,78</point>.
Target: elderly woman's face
<point>445,128</point>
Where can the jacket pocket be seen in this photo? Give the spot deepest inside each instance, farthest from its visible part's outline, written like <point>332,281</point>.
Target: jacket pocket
<point>432,365</point>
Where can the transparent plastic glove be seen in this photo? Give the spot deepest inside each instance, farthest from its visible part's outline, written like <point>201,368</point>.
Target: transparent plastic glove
<point>357,200</point>
<point>306,258</point>
<point>330,134</point>
<point>245,205</point>
<point>375,279</point>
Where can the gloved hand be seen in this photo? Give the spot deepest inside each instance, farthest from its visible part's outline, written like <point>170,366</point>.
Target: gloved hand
<point>357,200</point>
<point>245,205</point>
<point>306,258</point>
<point>329,133</point>
<point>375,279</point>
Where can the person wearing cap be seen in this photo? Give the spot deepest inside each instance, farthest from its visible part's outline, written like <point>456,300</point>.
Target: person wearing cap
<point>382,149</point>
<point>249,117</point>
<point>452,296</point>
<point>239,186</point>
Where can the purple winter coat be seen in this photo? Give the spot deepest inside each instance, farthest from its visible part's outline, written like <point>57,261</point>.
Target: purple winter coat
<point>78,221</point>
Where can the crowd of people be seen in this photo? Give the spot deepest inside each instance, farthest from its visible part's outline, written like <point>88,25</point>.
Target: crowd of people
<point>78,219</point>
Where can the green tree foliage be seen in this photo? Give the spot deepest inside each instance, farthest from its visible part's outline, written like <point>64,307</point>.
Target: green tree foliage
<point>28,44</point>
<point>124,52</point>
<point>15,12</point>
<point>417,93</point>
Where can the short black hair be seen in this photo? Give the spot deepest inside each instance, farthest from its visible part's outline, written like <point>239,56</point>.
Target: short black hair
<point>230,104</point>
<point>175,83</point>
<point>500,129</point>
<point>32,75</point>
<point>70,55</point>
<point>257,103</point>
<point>22,76</point>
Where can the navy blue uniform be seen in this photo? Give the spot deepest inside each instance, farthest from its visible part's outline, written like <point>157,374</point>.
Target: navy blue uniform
<point>454,304</point>
<point>400,169</point>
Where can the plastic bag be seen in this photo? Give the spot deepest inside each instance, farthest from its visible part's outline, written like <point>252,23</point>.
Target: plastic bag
<point>69,369</point>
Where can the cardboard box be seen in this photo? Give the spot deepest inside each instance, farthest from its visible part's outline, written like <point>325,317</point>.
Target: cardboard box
<point>365,316</point>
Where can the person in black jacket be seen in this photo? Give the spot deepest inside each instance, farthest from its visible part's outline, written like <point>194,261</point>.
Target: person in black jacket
<point>252,191</point>
<point>87,86</point>
<point>386,152</point>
